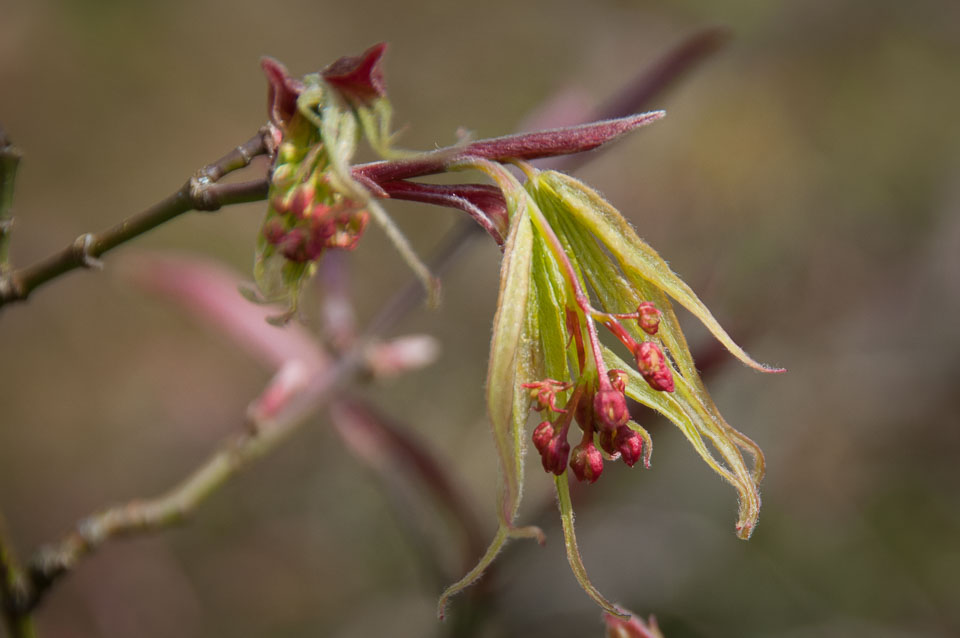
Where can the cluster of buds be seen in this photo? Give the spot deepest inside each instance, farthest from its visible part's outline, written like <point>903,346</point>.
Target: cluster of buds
<point>314,203</point>
<point>598,402</point>
<point>307,221</point>
<point>573,268</point>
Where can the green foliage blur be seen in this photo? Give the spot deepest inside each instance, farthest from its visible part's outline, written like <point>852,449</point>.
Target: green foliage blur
<point>805,182</point>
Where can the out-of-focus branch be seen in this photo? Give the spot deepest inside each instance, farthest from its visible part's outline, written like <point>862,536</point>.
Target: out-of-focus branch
<point>200,192</point>
<point>12,591</point>
<point>261,435</point>
<point>9,161</point>
<point>652,82</point>
<point>263,432</point>
<point>389,448</point>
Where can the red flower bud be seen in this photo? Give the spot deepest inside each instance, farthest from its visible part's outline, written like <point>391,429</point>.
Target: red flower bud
<point>648,317</point>
<point>542,435</point>
<point>652,364</point>
<point>629,444</point>
<point>274,232</point>
<point>301,199</point>
<point>607,440</point>
<point>555,456</point>
<point>610,408</point>
<point>618,379</point>
<point>296,245</point>
<point>586,462</point>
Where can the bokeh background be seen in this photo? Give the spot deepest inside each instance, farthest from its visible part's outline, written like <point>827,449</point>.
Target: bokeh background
<point>806,182</point>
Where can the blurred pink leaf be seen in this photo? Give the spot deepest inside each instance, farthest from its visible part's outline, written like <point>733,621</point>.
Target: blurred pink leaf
<point>403,354</point>
<point>209,291</point>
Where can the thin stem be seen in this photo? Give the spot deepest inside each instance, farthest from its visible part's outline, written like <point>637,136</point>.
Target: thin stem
<point>200,192</point>
<point>391,439</point>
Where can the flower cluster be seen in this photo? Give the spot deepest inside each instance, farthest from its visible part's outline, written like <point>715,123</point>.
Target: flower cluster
<point>598,401</point>
<point>574,270</point>
<point>315,202</point>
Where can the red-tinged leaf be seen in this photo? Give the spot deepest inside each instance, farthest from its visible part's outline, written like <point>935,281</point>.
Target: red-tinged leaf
<point>359,78</point>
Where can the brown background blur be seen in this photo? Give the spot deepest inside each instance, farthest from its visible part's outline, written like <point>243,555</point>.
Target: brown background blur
<point>806,183</point>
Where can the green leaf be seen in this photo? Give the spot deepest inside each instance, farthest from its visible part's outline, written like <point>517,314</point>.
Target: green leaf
<point>633,254</point>
<point>573,552</point>
<point>685,409</point>
<point>549,302</point>
<point>508,328</point>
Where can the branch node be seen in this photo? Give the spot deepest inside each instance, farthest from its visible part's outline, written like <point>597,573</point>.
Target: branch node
<point>83,249</point>
<point>9,288</point>
<point>202,196</point>
<point>245,155</point>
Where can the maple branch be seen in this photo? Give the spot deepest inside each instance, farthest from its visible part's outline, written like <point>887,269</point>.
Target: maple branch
<point>201,192</point>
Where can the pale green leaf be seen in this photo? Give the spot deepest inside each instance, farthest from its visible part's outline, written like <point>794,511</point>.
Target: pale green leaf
<point>573,552</point>
<point>633,254</point>
<point>508,328</point>
<point>684,408</point>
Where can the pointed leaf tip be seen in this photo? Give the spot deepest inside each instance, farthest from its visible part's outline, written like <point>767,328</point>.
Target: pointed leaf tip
<point>558,141</point>
<point>283,91</point>
<point>359,77</point>
<point>573,552</point>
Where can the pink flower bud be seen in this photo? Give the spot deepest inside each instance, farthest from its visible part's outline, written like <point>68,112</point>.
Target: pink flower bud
<point>648,317</point>
<point>320,211</point>
<point>300,202</point>
<point>652,364</point>
<point>542,435</point>
<point>555,456</point>
<point>610,409</point>
<point>618,379</point>
<point>274,232</point>
<point>295,245</point>
<point>607,440</point>
<point>586,462</point>
<point>629,444</point>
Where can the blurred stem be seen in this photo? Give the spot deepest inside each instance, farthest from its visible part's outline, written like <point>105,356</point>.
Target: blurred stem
<point>256,440</point>
<point>200,192</point>
<point>9,162</point>
<point>12,592</point>
<point>390,449</point>
<point>140,516</point>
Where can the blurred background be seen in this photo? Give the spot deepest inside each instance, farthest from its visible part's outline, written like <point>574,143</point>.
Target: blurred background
<point>806,182</point>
